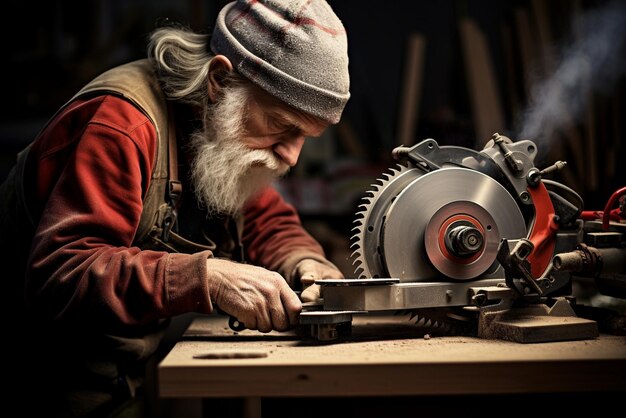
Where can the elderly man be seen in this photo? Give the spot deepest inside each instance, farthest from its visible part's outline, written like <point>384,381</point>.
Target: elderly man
<point>148,195</point>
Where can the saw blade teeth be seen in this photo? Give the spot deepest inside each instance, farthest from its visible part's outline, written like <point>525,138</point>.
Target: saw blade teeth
<point>357,262</point>
<point>353,241</point>
<point>356,252</point>
<point>443,321</point>
<point>361,234</point>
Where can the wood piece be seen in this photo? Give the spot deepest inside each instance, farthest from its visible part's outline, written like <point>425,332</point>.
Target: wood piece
<point>411,89</point>
<point>611,169</point>
<point>379,362</point>
<point>566,141</point>
<point>526,41</point>
<point>511,72</point>
<point>531,325</point>
<point>539,10</point>
<point>483,88</point>
<point>573,135</point>
<point>591,143</point>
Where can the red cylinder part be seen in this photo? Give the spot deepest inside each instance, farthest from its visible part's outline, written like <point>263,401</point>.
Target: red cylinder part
<point>607,209</point>
<point>592,215</point>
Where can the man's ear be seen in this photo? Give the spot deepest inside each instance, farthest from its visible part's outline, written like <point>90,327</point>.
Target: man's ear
<point>219,68</point>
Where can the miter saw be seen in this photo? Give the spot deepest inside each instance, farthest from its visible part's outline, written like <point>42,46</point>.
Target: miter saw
<point>481,239</point>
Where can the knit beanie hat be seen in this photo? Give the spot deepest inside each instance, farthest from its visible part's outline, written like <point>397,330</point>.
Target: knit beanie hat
<point>295,50</point>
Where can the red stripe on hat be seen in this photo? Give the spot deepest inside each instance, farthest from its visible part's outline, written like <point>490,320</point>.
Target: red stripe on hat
<point>302,21</point>
<point>244,11</point>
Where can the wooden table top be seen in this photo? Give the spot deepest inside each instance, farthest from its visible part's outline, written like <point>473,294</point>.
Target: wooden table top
<point>384,356</point>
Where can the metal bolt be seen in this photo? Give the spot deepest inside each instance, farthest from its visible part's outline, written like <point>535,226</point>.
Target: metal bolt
<point>463,240</point>
<point>558,166</point>
<point>533,177</point>
<point>524,196</point>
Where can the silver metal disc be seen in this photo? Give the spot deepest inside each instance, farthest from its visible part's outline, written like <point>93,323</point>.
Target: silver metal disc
<point>407,220</point>
<point>457,267</point>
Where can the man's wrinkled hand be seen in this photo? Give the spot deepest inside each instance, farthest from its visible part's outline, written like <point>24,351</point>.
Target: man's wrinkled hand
<point>259,298</point>
<point>309,271</point>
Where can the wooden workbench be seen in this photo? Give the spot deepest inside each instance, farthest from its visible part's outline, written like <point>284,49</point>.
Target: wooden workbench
<point>384,356</point>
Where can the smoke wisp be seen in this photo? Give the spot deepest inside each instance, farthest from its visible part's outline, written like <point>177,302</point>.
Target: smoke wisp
<point>591,61</point>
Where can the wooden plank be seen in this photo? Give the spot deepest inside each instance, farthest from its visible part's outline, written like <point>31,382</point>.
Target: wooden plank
<point>566,141</point>
<point>373,362</point>
<point>572,133</point>
<point>590,144</point>
<point>511,72</point>
<point>611,169</point>
<point>539,10</point>
<point>526,42</point>
<point>483,89</point>
<point>411,90</point>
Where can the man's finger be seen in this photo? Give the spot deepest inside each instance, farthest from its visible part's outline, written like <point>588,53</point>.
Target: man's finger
<point>311,293</point>
<point>308,278</point>
<point>264,322</point>
<point>248,319</point>
<point>292,306</point>
<point>280,322</point>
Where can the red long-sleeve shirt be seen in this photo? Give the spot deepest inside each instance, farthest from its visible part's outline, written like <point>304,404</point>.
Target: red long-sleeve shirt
<point>88,172</point>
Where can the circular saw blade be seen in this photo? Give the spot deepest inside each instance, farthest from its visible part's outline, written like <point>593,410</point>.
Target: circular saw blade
<point>370,219</point>
<point>404,252</point>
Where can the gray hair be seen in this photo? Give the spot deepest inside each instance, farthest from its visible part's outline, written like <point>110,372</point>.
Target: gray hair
<point>182,59</point>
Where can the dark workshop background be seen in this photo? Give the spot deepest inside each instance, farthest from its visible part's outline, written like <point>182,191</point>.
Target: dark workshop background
<point>455,71</point>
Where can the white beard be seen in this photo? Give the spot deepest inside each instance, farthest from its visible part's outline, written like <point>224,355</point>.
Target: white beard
<point>224,172</point>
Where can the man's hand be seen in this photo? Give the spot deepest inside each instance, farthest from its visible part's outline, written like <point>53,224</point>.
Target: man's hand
<point>259,298</point>
<point>309,271</point>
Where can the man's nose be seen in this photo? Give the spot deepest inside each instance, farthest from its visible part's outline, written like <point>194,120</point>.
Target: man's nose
<point>289,149</point>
